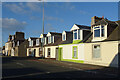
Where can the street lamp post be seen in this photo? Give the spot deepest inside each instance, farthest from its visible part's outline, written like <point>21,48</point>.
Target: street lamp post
<point>43,29</point>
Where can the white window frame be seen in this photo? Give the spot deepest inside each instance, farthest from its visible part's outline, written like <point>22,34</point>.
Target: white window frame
<point>13,44</point>
<point>93,52</point>
<point>77,34</point>
<point>12,37</point>
<point>64,35</point>
<point>75,51</point>
<point>49,51</point>
<point>49,39</point>
<point>37,42</point>
<point>53,38</point>
<point>42,40</point>
<point>45,40</point>
<point>100,27</point>
<point>31,42</point>
<point>18,43</point>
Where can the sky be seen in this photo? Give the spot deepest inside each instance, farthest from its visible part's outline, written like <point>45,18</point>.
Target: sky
<point>58,16</point>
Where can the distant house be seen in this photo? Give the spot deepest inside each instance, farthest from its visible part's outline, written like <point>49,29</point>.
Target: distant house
<point>36,44</point>
<point>34,47</point>
<point>8,46</point>
<point>16,45</point>
<point>51,45</point>
<point>74,50</point>
<point>3,50</point>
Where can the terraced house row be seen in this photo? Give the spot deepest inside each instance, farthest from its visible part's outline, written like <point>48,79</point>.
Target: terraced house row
<point>98,44</point>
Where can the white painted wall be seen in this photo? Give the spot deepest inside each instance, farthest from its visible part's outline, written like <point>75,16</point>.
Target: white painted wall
<point>108,51</point>
<point>67,51</point>
<point>52,51</point>
<point>32,50</point>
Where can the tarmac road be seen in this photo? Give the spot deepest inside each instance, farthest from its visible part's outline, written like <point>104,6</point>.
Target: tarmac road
<point>13,67</point>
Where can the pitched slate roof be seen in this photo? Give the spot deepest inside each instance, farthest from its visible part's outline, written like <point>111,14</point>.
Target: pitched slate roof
<point>55,33</point>
<point>115,35</point>
<point>83,26</point>
<point>105,21</point>
<point>54,44</point>
<point>44,35</point>
<point>88,38</point>
<point>33,38</point>
<point>69,38</point>
<point>59,41</point>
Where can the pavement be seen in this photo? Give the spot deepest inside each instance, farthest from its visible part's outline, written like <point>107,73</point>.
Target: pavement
<point>16,68</point>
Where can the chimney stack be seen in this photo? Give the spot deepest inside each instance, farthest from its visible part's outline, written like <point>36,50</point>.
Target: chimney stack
<point>102,17</point>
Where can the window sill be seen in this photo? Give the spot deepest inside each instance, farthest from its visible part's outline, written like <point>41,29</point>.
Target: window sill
<point>74,57</point>
<point>97,59</point>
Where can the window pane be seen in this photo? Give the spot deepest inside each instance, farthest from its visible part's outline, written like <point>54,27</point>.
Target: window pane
<point>63,36</point>
<point>29,43</point>
<point>96,51</point>
<point>48,51</point>
<point>97,33</point>
<point>102,27</point>
<point>42,40</point>
<point>78,34</point>
<point>102,33</point>
<point>75,52</point>
<point>51,39</point>
<point>75,35</point>
<point>48,39</point>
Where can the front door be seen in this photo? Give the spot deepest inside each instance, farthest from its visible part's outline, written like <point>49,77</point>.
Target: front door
<point>56,54</point>
<point>60,54</point>
<point>34,52</point>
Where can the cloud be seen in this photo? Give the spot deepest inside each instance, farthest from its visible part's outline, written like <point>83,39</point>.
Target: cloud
<point>53,18</point>
<point>21,7</point>
<point>34,6</point>
<point>11,24</point>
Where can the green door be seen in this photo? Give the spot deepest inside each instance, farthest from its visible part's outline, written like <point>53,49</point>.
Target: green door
<point>60,54</point>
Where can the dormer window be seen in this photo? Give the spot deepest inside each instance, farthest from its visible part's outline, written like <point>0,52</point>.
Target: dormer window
<point>45,40</point>
<point>37,41</point>
<point>42,40</point>
<point>76,34</point>
<point>50,39</point>
<point>63,37</point>
<point>99,31</point>
<point>31,43</point>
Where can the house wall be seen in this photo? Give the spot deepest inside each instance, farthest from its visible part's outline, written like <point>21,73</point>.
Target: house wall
<point>52,51</point>
<point>32,51</point>
<point>8,47</point>
<point>23,49</point>
<point>108,52</point>
<point>67,52</point>
<point>16,51</point>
